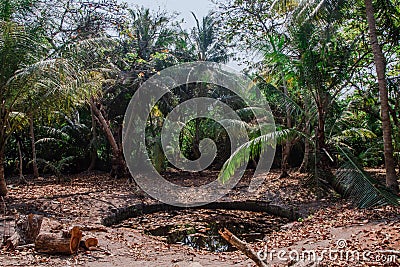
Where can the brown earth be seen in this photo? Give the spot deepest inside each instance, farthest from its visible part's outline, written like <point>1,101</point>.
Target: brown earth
<point>85,199</point>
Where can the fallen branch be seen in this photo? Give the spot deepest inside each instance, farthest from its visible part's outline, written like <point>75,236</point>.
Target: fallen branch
<point>242,246</point>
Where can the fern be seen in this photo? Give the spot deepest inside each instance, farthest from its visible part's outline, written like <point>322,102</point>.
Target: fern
<point>56,167</point>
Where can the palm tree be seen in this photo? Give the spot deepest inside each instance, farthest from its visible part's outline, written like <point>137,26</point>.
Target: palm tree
<point>207,46</point>
<point>207,42</point>
<point>21,65</point>
<point>319,55</point>
<point>380,66</point>
<point>34,78</point>
<point>314,8</point>
<point>379,59</point>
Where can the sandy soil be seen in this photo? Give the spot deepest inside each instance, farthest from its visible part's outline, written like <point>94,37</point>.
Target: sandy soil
<point>85,199</point>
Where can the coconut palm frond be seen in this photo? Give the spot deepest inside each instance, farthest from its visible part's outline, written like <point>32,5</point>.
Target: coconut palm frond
<point>348,134</point>
<point>316,9</point>
<point>353,182</point>
<point>252,149</point>
<point>250,113</point>
<point>278,98</point>
<point>48,140</point>
<point>89,49</point>
<point>234,124</point>
<point>56,132</point>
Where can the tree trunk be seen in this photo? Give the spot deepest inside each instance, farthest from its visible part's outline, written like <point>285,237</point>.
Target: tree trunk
<point>52,244</point>
<point>391,178</point>
<point>323,172</point>
<point>27,229</point>
<point>304,164</point>
<point>3,185</point>
<point>34,161</point>
<point>117,161</point>
<point>287,145</point>
<point>21,173</point>
<point>93,151</point>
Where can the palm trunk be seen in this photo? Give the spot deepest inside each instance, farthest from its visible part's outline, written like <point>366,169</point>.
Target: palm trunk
<point>307,129</point>
<point>304,164</point>
<point>321,145</point>
<point>21,173</point>
<point>323,163</point>
<point>3,185</point>
<point>34,160</point>
<point>288,145</point>
<point>379,59</point>
<point>117,162</point>
<point>93,152</point>
<point>196,139</point>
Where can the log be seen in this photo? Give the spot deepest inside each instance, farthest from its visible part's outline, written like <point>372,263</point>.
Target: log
<point>55,244</point>
<point>88,242</point>
<point>76,236</point>
<point>242,246</point>
<point>27,229</point>
<point>51,243</point>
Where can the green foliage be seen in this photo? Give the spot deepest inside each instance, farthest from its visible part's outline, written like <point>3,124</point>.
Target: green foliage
<point>252,149</point>
<point>355,183</point>
<point>56,167</point>
<point>67,138</point>
<point>315,70</point>
<point>208,45</point>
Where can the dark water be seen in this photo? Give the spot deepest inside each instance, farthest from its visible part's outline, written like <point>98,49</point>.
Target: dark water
<point>206,236</point>
<point>199,228</point>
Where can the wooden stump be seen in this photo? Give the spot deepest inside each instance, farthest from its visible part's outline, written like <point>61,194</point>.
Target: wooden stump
<point>27,229</point>
<point>57,244</point>
<point>88,242</point>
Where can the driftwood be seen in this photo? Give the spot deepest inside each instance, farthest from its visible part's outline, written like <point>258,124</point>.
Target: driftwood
<point>59,244</point>
<point>121,214</point>
<point>242,246</point>
<point>27,229</point>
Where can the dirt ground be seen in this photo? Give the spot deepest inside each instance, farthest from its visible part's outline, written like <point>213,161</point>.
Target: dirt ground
<point>86,198</point>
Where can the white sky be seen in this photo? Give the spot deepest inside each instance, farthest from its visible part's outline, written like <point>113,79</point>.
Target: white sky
<point>199,7</point>
<point>184,7</point>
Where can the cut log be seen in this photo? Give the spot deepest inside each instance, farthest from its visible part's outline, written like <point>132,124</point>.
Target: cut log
<point>27,229</point>
<point>242,246</point>
<point>88,242</point>
<point>76,236</point>
<point>55,244</point>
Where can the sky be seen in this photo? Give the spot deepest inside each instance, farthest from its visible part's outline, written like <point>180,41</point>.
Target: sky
<point>199,7</point>
<point>184,7</point>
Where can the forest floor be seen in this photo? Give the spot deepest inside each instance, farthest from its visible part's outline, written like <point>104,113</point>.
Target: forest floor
<point>333,229</point>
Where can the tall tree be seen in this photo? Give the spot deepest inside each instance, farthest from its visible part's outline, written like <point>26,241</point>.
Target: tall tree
<point>33,75</point>
<point>380,66</point>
